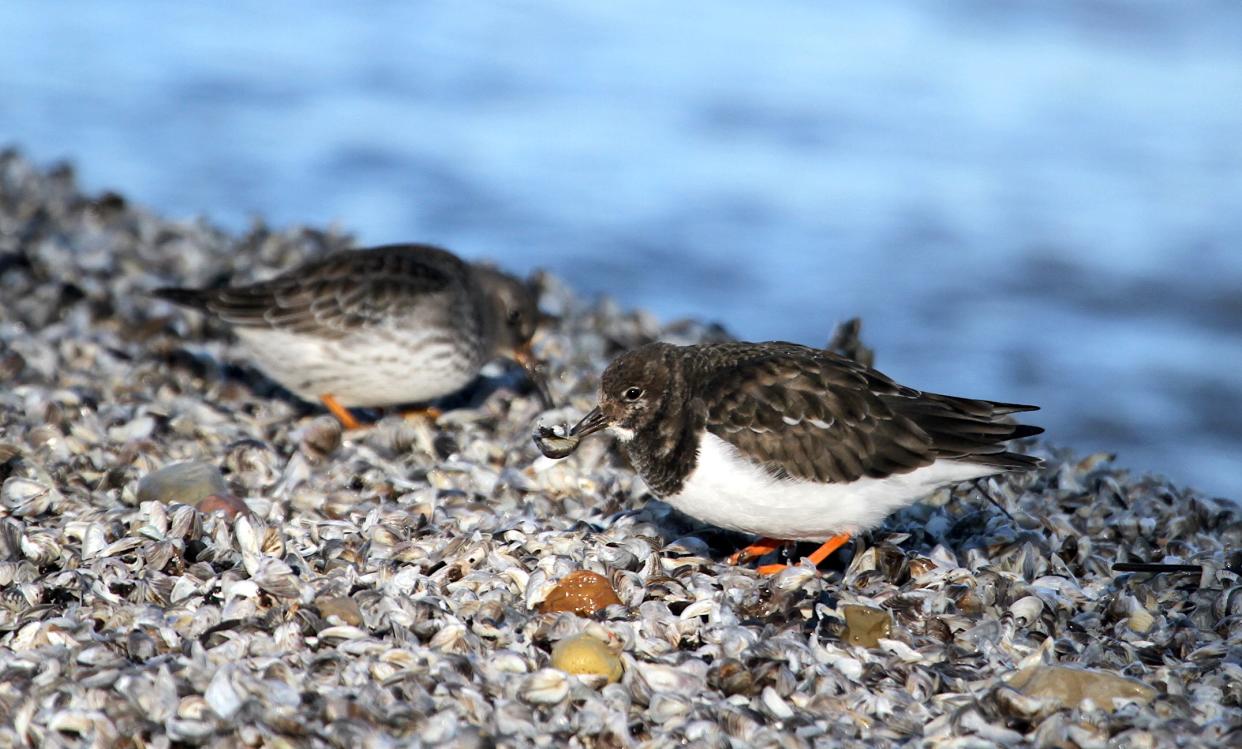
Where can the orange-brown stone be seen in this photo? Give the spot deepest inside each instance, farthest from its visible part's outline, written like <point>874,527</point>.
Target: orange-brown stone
<point>231,506</point>
<point>583,592</point>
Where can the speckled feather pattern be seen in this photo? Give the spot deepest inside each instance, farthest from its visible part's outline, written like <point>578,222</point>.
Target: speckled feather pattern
<point>346,291</point>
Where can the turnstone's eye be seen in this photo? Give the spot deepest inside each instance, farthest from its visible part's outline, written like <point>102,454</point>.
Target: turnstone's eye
<point>515,316</point>
<point>633,394</point>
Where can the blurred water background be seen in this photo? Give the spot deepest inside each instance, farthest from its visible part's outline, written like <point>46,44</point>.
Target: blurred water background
<point>1037,201</point>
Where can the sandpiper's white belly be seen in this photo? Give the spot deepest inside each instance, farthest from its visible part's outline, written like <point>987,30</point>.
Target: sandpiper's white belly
<point>367,368</point>
<point>727,490</point>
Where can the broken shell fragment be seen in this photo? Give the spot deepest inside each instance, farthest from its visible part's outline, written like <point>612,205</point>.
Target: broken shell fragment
<point>555,442</point>
<point>546,687</point>
<point>343,608</point>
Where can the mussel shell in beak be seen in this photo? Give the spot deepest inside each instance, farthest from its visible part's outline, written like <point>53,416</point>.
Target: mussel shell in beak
<point>554,443</point>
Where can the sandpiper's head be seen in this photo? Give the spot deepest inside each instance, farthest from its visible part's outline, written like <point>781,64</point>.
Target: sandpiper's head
<point>511,310</point>
<point>632,392</point>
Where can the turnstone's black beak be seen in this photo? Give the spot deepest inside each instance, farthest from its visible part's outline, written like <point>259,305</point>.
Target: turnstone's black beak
<point>526,359</point>
<point>594,421</point>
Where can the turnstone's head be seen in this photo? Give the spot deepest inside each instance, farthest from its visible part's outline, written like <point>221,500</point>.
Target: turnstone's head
<point>632,392</point>
<point>511,317</point>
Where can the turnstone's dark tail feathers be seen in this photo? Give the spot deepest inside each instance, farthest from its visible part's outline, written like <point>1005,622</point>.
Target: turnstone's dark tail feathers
<point>971,430</point>
<point>1001,409</point>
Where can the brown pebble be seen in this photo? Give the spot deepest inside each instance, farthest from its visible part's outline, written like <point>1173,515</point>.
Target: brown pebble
<point>1068,686</point>
<point>583,592</point>
<point>586,656</point>
<point>342,607</point>
<point>864,626</point>
<point>185,483</point>
<point>228,504</point>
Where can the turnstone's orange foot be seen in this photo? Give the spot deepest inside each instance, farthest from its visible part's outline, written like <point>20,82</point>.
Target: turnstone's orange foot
<point>342,414</point>
<point>378,327</point>
<point>816,557</point>
<point>756,550</point>
<point>787,441</point>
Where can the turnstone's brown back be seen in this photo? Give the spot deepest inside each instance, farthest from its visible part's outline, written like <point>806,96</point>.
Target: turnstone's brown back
<point>814,415</point>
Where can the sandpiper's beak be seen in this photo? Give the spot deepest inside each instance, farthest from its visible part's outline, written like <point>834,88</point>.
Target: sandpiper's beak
<point>526,359</point>
<point>590,424</point>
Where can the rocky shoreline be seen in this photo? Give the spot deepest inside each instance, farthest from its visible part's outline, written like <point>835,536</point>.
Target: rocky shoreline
<point>391,586</point>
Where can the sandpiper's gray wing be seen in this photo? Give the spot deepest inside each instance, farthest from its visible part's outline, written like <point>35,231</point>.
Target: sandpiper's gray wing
<point>331,296</point>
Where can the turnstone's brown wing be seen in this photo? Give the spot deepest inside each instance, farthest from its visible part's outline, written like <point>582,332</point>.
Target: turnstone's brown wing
<point>346,290</point>
<point>813,415</point>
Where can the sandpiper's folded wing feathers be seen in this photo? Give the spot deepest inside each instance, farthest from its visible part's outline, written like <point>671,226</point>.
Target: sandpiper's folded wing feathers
<point>812,415</point>
<point>330,296</point>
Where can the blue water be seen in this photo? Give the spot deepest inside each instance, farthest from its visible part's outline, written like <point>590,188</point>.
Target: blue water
<point>1034,201</point>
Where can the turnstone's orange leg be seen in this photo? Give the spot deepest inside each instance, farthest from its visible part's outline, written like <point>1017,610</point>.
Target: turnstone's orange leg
<point>430,413</point>
<point>828,547</point>
<point>817,556</point>
<point>340,412</point>
<point>756,550</point>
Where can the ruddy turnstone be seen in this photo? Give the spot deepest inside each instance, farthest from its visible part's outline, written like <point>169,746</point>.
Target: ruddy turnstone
<point>377,327</point>
<point>788,442</point>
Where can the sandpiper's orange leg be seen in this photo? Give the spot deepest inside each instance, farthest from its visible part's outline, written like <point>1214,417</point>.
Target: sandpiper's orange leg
<point>340,412</point>
<point>756,550</point>
<point>817,556</point>
<point>430,413</point>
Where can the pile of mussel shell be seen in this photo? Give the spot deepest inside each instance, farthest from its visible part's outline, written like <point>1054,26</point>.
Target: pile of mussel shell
<point>190,556</point>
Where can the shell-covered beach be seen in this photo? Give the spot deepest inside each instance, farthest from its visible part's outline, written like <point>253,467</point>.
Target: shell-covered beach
<point>293,585</point>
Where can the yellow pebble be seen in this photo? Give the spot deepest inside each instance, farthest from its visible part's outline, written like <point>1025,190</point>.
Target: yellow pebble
<point>586,656</point>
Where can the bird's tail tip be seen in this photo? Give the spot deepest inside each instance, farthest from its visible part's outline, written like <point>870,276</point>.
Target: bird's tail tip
<point>176,295</point>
